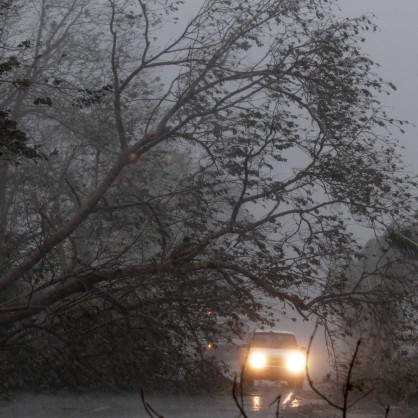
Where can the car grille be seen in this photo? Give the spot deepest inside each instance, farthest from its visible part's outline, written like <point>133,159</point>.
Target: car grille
<point>276,361</point>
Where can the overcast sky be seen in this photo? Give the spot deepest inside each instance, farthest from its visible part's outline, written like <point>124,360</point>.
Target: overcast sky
<point>395,48</point>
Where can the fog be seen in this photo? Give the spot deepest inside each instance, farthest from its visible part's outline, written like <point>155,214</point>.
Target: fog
<point>392,48</point>
<point>165,192</point>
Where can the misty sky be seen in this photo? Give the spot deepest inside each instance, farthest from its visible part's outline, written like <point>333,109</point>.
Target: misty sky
<point>394,47</point>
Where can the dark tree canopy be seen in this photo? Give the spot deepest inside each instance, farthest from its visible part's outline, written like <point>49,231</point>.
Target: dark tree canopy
<point>13,142</point>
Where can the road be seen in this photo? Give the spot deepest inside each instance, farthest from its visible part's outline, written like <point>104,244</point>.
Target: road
<point>260,403</point>
<point>256,404</point>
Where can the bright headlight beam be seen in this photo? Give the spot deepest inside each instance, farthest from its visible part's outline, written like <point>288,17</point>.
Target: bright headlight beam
<point>257,360</point>
<point>296,361</point>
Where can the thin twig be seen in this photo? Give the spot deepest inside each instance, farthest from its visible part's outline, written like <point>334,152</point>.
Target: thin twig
<point>240,405</point>
<point>152,413</point>
<point>277,401</point>
<point>310,381</point>
<point>347,386</point>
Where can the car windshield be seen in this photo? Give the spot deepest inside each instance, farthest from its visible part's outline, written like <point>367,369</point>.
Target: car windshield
<point>274,340</point>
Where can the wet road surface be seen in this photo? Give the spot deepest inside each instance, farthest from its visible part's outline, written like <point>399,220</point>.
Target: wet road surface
<point>262,402</point>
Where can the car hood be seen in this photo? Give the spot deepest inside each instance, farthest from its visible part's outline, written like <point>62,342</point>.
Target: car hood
<point>272,352</point>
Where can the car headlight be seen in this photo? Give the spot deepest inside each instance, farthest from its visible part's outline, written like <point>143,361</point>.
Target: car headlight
<point>295,361</point>
<point>257,360</point>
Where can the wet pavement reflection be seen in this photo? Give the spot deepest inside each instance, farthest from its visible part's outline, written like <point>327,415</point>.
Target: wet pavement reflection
<point>262,402</point>
<point>266,400</point>
<point>291,401</point>
<point>256,403</point>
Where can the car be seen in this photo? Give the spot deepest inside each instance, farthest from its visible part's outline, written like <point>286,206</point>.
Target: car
<point>273,355</point>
